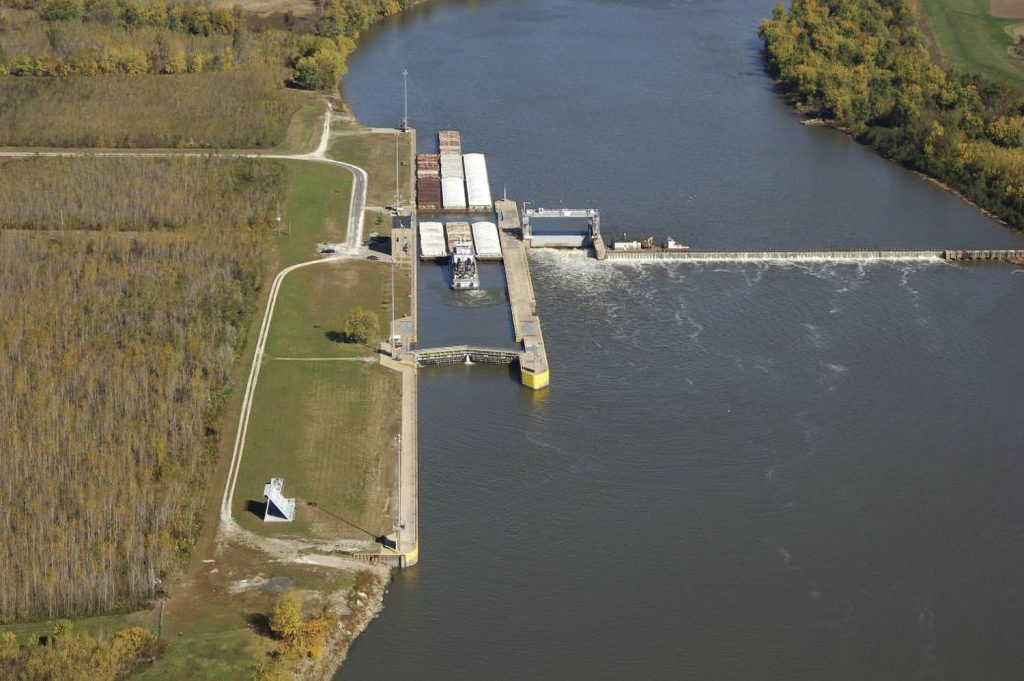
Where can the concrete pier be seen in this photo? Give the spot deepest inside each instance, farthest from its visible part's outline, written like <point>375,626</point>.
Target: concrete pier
<point>533,360</point>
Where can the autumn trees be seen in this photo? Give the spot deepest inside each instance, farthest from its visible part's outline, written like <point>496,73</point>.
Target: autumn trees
<point>164,73</point>
<point>360,326</point>
<point>863,65</point>
<point>102,37</point>
<point>132,194</point>
<point>116,355</point>
<point>68,654</point>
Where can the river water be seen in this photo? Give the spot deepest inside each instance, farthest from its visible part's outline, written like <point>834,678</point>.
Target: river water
<point>739,472</point>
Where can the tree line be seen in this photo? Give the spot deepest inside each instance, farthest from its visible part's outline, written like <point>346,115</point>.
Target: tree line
<point>177,15</point>
<point>69,654</point>
<point>863,65</point>
<point>63,49</point>
<point>121,44</point>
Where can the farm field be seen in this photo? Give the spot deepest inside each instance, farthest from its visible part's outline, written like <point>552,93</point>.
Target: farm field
<point>246,108</point>
<point>971,38</point>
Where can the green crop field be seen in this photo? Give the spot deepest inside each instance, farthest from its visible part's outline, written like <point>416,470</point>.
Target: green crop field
<point>973,40</point>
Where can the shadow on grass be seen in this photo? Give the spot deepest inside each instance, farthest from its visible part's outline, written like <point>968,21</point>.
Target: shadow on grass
<point>338,517</point>
<point>257,508</point>
<point>336,336</point>
<point>260,623</point>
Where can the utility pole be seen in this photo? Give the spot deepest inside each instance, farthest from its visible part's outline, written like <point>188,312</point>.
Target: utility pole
<point>398,189</point>
<point>405,93</point>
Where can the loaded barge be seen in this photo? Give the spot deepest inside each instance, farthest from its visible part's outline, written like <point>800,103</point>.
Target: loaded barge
<point>450,181</point>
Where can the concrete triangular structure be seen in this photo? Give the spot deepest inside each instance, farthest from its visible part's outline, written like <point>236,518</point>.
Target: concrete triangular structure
<point>278,509</point>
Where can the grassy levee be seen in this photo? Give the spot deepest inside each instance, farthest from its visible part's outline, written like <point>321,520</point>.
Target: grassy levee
<point>318,197</point>
<point>303,132</point>
<point>374,152</point>
<point>973,39</point>
<point>208,622</point>
<point>328,428</point>
<point>313,303</point>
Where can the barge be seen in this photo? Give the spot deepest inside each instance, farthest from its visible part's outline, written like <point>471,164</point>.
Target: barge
<point>458,232</point>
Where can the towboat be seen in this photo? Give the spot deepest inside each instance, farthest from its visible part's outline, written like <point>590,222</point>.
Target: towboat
<point>465,274</point>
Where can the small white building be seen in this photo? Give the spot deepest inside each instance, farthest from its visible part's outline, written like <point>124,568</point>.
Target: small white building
<point>278,509</point>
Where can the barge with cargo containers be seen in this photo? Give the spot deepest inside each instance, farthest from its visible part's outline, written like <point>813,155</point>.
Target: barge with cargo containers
<point>450,181</point>
<point>458,232</point>
<point>432,243</point>
<point>485,238</point>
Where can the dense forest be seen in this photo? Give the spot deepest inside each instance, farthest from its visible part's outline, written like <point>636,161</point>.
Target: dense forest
<point>116,352</point>
<point>138,193</point>
<point>863,65</point>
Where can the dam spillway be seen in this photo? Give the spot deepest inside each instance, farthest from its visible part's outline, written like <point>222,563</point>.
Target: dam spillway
<point>776,256</point>
<point>845,256</point>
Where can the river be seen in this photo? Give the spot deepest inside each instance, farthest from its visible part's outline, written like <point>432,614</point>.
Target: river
<point>739,472</point>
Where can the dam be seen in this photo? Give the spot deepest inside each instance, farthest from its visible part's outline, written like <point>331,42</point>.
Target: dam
<point>857,256</point>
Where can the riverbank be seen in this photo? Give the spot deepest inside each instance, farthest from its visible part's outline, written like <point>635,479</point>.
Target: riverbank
<point>354,617</point>
<point>817,122</point>
<point>958,128</point>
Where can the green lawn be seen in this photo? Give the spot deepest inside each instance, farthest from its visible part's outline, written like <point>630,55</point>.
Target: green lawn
<point>972,39</point>
<point>313,302</point>
<point>328,429</point>
<point>101,626</point>
<point>304,128</point>
<point>318,198</point>
<point>375,153</point>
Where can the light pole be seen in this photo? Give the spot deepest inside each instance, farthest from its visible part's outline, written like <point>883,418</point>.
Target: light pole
<point>398,190</point>
<point>405,95</point>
